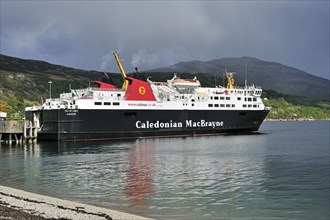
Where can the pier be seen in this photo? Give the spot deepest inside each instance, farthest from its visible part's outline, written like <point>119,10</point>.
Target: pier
<point>13,131</point>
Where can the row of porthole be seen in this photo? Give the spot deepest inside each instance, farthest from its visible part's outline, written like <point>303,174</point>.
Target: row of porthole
<point>250,106</point>
<point>106,103</point>
<point>221,98</point>
<point>222,105</point>
<point>247,99</point>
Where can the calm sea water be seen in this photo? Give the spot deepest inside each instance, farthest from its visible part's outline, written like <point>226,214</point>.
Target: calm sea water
<point>282,173</point>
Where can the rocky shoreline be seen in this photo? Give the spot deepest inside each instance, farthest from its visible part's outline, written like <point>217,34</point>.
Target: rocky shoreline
<point>12,213</point>
<point>19,204</point>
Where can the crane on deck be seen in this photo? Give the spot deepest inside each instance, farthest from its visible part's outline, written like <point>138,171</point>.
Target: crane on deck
<point>125,83</point>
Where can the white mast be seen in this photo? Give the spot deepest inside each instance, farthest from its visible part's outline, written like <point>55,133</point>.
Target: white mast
<point>245,74</point>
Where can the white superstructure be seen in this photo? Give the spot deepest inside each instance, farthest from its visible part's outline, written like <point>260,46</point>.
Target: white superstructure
<point>167,97</point>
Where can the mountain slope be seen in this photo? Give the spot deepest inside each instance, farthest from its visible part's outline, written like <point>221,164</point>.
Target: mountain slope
<point>22,79</point>
<point>269,75</point>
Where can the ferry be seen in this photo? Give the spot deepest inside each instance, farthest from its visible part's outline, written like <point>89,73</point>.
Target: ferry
<point>149,109</point>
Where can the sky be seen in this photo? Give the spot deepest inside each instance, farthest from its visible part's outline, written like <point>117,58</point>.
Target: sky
<point>154,34</point>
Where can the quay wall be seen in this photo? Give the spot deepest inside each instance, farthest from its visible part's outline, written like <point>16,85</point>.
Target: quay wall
<point>14,131</point>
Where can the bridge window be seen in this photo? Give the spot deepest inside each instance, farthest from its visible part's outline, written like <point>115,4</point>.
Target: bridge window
<point>97,103</point>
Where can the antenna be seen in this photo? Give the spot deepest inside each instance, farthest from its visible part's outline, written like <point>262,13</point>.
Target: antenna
<point>245,74</point>
<point>215,80</point>
<point>223,79</point>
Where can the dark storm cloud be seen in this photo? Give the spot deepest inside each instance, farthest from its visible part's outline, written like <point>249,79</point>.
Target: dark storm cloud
<point>155,34</point>
<point>55,40</point>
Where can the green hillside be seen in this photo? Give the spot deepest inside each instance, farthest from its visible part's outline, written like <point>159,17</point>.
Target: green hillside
<point>24,82</point>
<point>281,109</point>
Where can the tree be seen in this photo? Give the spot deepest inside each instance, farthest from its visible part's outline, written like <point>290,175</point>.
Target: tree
<point>4,107</point>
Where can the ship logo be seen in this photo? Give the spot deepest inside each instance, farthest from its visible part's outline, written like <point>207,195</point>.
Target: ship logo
<point>142,90</point>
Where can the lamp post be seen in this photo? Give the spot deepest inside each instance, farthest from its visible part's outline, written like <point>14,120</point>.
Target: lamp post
<point>50,89</point>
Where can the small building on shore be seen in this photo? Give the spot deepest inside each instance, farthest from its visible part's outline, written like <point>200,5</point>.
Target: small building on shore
<point>3,116</point>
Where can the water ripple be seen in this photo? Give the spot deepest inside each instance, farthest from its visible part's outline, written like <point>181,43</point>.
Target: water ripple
<point>236,177</point>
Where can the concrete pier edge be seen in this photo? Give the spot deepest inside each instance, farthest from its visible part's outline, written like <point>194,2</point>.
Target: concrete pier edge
<point>50,207</point>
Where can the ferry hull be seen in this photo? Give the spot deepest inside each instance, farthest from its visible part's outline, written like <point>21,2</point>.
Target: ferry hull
<point>80,125</point>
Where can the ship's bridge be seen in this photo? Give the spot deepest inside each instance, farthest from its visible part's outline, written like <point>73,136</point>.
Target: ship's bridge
<point>246,91</point>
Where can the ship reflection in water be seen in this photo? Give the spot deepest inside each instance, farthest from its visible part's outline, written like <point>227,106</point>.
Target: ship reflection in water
<point>140,174</point>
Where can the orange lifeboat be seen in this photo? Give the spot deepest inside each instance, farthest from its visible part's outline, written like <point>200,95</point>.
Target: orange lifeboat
<point>185,83</point>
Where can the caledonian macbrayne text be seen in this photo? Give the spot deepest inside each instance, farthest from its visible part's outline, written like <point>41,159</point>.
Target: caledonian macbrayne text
<point>173,124</point>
